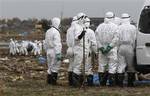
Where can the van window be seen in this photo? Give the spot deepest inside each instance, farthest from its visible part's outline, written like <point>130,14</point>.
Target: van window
<point>144,23</point>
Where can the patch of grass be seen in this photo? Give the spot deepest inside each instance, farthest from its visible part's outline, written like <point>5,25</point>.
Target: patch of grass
<point>40,88</point>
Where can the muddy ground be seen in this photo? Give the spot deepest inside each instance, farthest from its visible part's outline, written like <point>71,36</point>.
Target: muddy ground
<point>24,76</point>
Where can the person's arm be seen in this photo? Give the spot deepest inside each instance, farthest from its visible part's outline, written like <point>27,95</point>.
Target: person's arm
<point>82,34</point>
<point>57,43</point>
<point>93,41</point>
<point>97,36</point>
<point>78,32</point>
<point>115,39</point>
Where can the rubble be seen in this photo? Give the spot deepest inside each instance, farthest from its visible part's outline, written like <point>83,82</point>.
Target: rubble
<point>4,59</point>
<point>144,76</point>
<point>22,68</point>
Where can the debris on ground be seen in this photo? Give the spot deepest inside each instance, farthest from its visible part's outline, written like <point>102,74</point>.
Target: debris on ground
<point>4,59</point>
<point>24,76</point>
<point>144,76</point>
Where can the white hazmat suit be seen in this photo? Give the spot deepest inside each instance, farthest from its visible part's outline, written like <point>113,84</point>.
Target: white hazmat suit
<point>12,47</point>
<point>127,37</point>
<point>53,46</point>
<point>92,47</point>
<point>16,47</point>
<point>23,49</point>
<point>79,33</point>
<point>107,40</point>
<point>70,37</point>
<point>106,34</point>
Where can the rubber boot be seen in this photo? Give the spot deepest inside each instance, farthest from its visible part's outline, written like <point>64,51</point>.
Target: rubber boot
<point>54,78</point>
<point>76,80</point>
<point>103,78</point>
<point>49,79</point>
<point>131,79</point>
<point>120,79</point>
<point>111,78</point>
<point>90,80</point>
<point>70,78</point>
<point>81,79</point>
<point>116,79</point>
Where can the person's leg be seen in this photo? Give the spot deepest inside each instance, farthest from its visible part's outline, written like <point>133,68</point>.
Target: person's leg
<point>121,66</point>
<point>112,66</point>
<point>78,58</point>
<point>55,67</point>
<point>88,70</point>
<point>102,60</point>
<point>130,66</point>
<point>70,55</point>
<point>49,76</point>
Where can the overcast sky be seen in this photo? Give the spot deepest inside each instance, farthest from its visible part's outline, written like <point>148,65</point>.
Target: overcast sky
<point>49,8</point>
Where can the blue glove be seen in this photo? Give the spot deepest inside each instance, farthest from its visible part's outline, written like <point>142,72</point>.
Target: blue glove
<point>108,48</point>
<point>58,57</point>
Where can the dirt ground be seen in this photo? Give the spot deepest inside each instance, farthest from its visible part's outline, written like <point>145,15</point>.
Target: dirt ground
<point>24,76</point>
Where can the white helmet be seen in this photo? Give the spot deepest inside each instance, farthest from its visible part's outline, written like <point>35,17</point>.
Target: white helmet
<point>109,15</point>
<point>125,15</point>
<point>81,16</point>
<point>55,22</point>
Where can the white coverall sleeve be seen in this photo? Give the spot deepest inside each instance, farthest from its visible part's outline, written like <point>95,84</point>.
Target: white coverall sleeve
<point>97,35</point>
<point>93,41</point>
<point>57,43</point>
<point>78,30</point>
<point>68,38</point>
<point>115,39</point>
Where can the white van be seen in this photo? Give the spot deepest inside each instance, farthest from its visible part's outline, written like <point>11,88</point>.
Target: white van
<point>143,40</point>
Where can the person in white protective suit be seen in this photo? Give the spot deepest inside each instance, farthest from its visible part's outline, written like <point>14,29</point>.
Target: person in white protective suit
<point>12,47</point>
<point>79,32</point>
<point>107,40</point>
<point>23,48</point>
<point>127,37</point>
<point>36,48</point>
<point>53,48</point>
<point>70,37</point>
<point>92,47</point>
<point>16,47</point>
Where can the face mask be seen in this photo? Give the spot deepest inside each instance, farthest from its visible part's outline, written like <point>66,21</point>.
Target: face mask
<point>87,24</point>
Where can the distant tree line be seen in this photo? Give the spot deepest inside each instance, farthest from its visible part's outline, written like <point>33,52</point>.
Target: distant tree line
<point>18,26</point>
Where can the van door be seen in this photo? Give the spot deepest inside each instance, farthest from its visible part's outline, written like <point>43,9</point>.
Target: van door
<point>143,38</point>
